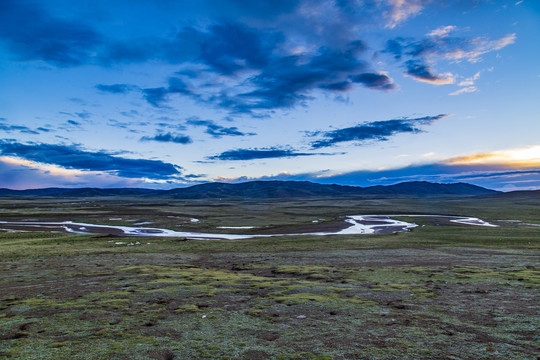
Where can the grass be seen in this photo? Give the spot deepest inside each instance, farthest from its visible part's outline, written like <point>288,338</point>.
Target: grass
<point>447,291</point>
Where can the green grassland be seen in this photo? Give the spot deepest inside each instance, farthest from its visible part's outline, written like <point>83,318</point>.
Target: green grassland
<point>440,291</point>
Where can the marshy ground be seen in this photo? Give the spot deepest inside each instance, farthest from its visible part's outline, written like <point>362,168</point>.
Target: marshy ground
<point>441,291</point>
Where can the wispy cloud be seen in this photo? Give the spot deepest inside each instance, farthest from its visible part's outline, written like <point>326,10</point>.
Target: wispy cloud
<point>470,81</point>
<point>442,31</point>
<point>262,153</point>
<point>373,131</point>
<point>468,89</point>
<point>8,128</point>
<point>72,157</point>
<point>401,10</point>
<point>421,55</point>
<point>217,131</point>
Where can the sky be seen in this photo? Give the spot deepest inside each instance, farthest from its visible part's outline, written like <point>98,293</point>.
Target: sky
<point>165,94</point>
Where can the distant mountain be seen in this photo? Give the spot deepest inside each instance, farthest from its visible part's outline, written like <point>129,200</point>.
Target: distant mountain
<point>261,189</point>
<point>77,192</point>
<point>266,190</point>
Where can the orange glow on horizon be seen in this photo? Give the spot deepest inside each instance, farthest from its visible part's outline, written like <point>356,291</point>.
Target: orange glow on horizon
<point>523,157</point>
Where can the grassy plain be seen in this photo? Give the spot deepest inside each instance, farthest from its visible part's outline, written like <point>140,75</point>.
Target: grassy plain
<point>441,291</point>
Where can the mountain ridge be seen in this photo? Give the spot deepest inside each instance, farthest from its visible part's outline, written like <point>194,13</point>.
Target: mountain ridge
<point>265,189</point>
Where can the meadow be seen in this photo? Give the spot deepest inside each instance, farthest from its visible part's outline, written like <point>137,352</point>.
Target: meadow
<point>440,291</point>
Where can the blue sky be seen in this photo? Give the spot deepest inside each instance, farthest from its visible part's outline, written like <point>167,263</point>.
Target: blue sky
<point>166,94</point>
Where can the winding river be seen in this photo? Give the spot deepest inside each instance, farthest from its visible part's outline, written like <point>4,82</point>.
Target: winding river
<point>360,224</point>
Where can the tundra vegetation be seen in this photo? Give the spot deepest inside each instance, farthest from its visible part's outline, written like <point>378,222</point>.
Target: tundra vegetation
<point>440,291</point>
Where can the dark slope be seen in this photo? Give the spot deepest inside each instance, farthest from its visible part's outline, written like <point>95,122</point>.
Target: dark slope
<point>426,188</point>
<point>261,189</point>
<point>266,190</point>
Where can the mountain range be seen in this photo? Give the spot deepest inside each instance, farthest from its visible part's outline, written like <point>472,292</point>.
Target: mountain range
<point>265,189</point>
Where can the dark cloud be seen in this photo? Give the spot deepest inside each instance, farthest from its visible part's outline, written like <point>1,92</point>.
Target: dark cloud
<point>257,57</point>
<point>32,34</point>
<point>287,81</point>
<point>168,137</point>
<point>424,73</point>
<point>377,131</point>
<point>216,130</point>
<point>264,153</point>
<point>337,86</point>
<point>157,96</point>
<point>228,48</point>
<point>279,80</point>
<point>72,157</point>
<point>394,47</point>
<point>374,81</point>
<point>115,88</point>
<point>73,122</point>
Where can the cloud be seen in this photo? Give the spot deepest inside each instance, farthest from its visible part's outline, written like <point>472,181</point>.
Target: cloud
<point>20,128</point>
<point>470,81</point>
<point>267,78</point>
<point>158,96</point>
<point>401,10</point>
<point>168,137</point>
<point>73,122</point>
<point>263,153</point>
<point>419,56</point>
<point>32,34</point>
<point>72,157</point>
<point>442,31</point>
<point>115,88</point>
<point>374,81</point>
<point>287,81</point>
<point>453,48</point>
<point>217,131</point>
<point>249,62</point>
<point>424,73</point>
<point>337,86</point>
<point>468,89</point>
<point>228,48</point>
<point>377,131</point>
